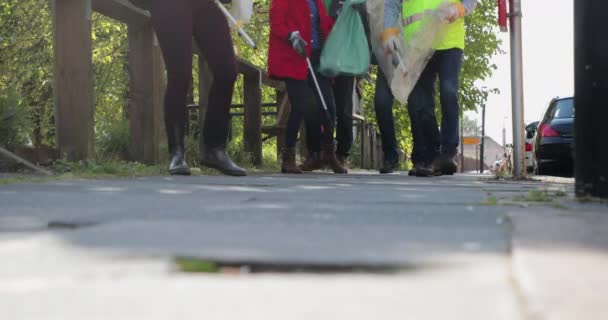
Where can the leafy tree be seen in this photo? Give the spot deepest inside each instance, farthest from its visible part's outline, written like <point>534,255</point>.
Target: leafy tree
<point>26,68</point>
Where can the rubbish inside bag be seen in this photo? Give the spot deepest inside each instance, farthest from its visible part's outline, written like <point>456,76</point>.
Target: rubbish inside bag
<point>346,51</point>
<point>403,67</point>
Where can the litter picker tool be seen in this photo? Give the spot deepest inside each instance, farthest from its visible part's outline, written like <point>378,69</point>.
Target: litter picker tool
<point>236,24</point>
<point>319,92</point>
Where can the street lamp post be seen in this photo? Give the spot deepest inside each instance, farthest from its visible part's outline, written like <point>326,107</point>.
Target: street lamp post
<point>517,89</point>
<point>484,90</point>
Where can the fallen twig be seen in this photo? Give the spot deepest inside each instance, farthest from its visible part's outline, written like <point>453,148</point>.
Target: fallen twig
<point>24,162</point>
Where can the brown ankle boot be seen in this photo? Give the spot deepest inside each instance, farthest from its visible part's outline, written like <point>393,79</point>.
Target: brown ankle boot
<point>343,160</point>
<point>312,162</point>
<point>288,161</point>
<point>328,156</point>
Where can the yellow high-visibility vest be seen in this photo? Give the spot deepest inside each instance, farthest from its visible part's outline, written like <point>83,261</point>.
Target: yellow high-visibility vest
<point>454,37</point>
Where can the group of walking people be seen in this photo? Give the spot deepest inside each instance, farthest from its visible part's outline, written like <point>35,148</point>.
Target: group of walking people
<point>298,30</point>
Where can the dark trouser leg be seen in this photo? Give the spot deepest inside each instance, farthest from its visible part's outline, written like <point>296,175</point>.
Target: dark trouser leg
<point>317,118</point>
<point>421,108</point>
<point>175,39</point>
<point>383,105</point>
<point>299,95</point>
<point>314,126</point>
<point>213,38</point>
<point>449,64</point>
<point>328,118</point>
<point>343,93</point>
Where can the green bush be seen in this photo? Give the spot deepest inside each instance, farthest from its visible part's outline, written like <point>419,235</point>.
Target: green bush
<point>112,140</point>
<point>14,121</point>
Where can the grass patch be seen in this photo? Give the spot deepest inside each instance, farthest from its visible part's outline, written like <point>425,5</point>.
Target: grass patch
<point>534,196</point>
<point>560,193</point>
<point>491,201</point>
<point>96,169</point>
<point>13,180</point>
<point>540,196</point>
<point>193,265</point>
<point>103,169</point>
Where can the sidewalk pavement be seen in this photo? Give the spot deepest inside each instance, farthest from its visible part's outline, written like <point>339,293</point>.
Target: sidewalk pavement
<point>462,247</point>
<point>560,263</point>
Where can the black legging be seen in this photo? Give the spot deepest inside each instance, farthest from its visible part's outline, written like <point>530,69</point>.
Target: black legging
<point>175,22</point>
<point>302,106</point>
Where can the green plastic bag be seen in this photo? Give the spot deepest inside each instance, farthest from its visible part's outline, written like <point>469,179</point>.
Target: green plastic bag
<point>346,51</point>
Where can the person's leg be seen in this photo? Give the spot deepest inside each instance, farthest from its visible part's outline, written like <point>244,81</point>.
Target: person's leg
<point>297,91</point>
<point>450,62</point>
<point>343,93</point>
<point>313,124</point>
<point>328,155</point>
<point>299,94</point>
<point>383,106</point>
<point>449,69</point>
<point>425,132</point>
<point>314,128</point>
<point>212,35</point>
<point>173,22</point>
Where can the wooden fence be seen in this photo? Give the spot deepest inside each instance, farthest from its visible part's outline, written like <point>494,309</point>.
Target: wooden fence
<point>74,99</point>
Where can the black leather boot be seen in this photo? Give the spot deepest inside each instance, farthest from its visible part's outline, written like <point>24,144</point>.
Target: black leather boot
<point>423,170</point>
<point>178,165</point>
<point>445,164</point>
<point>218,159</point>
<point>389,166</point>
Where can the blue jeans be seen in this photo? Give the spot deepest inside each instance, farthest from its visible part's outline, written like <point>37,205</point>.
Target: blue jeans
<point>429,141</point>
<point>383,105</point>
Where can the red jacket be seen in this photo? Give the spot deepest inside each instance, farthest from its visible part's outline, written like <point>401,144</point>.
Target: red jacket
<point>287,16</point>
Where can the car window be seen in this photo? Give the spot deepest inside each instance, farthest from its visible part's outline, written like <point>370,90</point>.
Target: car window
<point>564,109</point>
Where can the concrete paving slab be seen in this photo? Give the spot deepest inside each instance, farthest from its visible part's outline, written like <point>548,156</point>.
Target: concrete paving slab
<point>560,262</point>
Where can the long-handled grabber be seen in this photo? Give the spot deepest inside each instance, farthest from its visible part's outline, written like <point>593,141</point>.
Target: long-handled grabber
<point>236,24</point>
<point>320,93</point>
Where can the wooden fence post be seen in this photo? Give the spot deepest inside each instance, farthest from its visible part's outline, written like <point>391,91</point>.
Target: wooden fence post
<point>73,78</point>
<point>253,116</point>
<point>145,94</point>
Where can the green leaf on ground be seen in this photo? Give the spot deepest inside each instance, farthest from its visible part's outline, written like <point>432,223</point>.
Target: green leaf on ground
<point>196,265</point>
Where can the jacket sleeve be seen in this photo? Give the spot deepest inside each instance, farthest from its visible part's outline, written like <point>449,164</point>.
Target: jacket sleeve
<point>278,18</point>
<point>327,22</point>
<point>392,12</point>
<point>469,5</point>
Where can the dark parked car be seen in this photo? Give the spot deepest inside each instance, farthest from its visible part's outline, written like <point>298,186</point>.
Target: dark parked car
<point>554,140</point>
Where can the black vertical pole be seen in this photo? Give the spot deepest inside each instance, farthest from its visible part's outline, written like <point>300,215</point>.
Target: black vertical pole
<point>591,98</point>
<point>461,143</point>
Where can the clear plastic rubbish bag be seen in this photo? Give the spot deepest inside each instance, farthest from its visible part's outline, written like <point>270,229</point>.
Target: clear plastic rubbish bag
<point>403,67</point>
<point>242,10</point>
